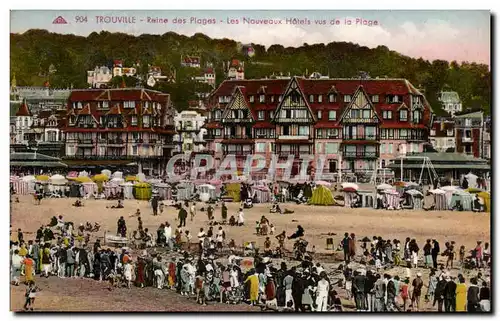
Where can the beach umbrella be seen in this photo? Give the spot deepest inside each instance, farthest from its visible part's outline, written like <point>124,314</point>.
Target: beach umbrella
<point>43,178</point>
<point>130,178</point>
<point>437,191</point>
<point>84,179</point>
<point>100,178</point>
<point>349,190</point>
<point>474,190</point>
<point>323,183</point>
<point>350,185</point>
<point>384,186</point>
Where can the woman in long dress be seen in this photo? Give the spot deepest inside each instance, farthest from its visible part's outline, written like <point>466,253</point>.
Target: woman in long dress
<point>28,268</point>
<point>140,272</point>
<point>461,295</point>
<point>253,281</point>
<point>127,272</point>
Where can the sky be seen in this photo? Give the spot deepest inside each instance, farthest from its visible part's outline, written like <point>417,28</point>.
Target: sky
<point>438,34</point>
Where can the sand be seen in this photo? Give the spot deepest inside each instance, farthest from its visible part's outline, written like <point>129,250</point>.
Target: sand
<point>465,228</point>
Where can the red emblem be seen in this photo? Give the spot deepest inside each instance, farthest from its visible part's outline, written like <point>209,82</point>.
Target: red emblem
<point>59,21</point>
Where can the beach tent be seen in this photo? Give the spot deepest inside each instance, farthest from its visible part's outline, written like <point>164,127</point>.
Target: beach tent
<point>72,174</point>
<point>154,181</point>
<point>392,198</point>
<point>83,173</point>
<point>74,189</point>
<point>416,198</point>
<point>464,198</point>
<point>449,190</point>
<point>349,196</point>
<point>117,175</point>
<point>117,180</point>
<point>141,177</point>
<point>128,190</point>
<point>185,190</point>
<point>233,191</point>
<point>142,191</point>
<point>474,190</point>
<point>111,188</point>
<point>57,180</point>
<point>367,199</point>
<point>29,182</point>
<point>131,178</point>
<point>100,178</point>
<point>20,186</point>
<point>261,193</point>
<point>440,203</point>
<point>106,172</point>
<point>164,191</point>
<point>42,178</point>
<point>321,196</point>
<point>206,192</point>
<point>89,188</point>
<point>486,200</point>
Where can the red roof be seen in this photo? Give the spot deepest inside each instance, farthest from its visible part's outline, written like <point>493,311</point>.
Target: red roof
<point>209,70</point>
<point>24,110</point>
<point>191,60</point>
<point>117,94</point>
<point>235,62</point>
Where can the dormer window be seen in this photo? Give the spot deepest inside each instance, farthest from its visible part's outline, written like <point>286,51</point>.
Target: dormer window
<point>403,115</point>
<point>272,99</point>
<point>105,104</point>
<point>79,105</point>
<point>221,99</point>
<point>311,98</point>
<point>347,98</point>
<point>375,99</point>
<point>262,98</point>
<point>251,99</point>
<point>319,114</point>
<point>332,98</point>
<point>320,98</point>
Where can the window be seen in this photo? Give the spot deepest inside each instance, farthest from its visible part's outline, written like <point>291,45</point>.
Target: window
<point>295,98</point>
<point>375,99</point>
<point>71,120</point>
<point>468,122</point>
<point>417,117</point>
<point>403,134</point>
<point>319,115</point>
<point>332,98</point>
<point>468,133</point>
<point>387,114</point>
<point>311,98</point>
<point>354,113</point>
<point>332,115</point>
<point>320,98</point>
<point>79,106</point>
<point>262,98</point>
<point>217,114</point>
<point>272,99</point>
<point>146,119</point>
<point>221,99</point>
<point>403,115</point>
<point>370,132</point>
<point>260,147</point>
<point>251,98</point>
<point>271,114</point>
<point>218,132</point>
<point>319,133</point>
<point>261,115</point>
<point>332,133</point>
<point>449,132</point>
<point>366,114</point>
<point>128,104</point>
<point>391,148</point>
<point>383,148</point>
<point>133,121</point>
<point>304,130</point>
<point>347,98</point>
<point>391,133</point>
<point>331,148</point>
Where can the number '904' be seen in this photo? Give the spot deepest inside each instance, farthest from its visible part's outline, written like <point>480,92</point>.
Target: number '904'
<point>81,19</point>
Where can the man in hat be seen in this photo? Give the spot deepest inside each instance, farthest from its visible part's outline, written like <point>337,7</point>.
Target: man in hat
<point>450,294</point>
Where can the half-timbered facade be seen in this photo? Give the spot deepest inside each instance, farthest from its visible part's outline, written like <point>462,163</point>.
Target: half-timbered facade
<point>356,125</point>
<point>117,127</point>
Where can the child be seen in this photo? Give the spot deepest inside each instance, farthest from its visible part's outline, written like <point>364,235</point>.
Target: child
<point>30,295</point>
<point>272,229</point>
<point>405,292</point>
<point>462,255</point>
<point>257,227</point>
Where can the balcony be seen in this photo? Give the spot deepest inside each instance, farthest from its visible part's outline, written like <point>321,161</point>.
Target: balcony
<point>183,128</point>
<point>360,154</point>
<point>85,142</point>
<point>361,137</point>
<point>117,142</point>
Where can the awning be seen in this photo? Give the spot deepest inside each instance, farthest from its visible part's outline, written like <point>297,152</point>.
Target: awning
<point>37,164</point>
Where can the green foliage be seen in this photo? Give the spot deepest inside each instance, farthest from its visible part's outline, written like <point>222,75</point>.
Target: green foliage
<point>33,53</point>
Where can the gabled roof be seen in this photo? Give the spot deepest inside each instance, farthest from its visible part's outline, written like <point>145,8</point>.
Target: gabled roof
<point>403,105</point>
<point>24,110</point>
<point>359,91</point>
<point>295,80</point>
<point>238,97</point>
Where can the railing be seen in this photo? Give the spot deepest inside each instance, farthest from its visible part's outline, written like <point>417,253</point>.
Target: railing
<point>238,137</point>
<point>360,154</point>
<point>296,137</point>
<point>85,141</point>
<point>361,137</point>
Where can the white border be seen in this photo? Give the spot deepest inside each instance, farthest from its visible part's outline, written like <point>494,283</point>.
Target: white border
<point>194,4</point>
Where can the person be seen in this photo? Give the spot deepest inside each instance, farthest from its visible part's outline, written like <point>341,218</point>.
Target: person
<point>380,290</point>
<point>70,262</point>
<point>478,255</point>
<point>154,204</point>
<point>201,239</point>
<point>16,262</point>
<point>30,295</point>
<point>223,212</point>
<point>391,294</point>
<point>322,290</point>
<point>450,295</point>
<point>167,232</point>
<point>484,297</point>
<point>253,281</point>
<point>241,217</point>
<point>434,253</point>
<point>29,271</point>
<point>121,227</point>
<point>461,256</point>
<point>192,211</point>
<point>486,254</point>
<point>298,233</point>
<point>220,238</point>
<point>473,296</point>
<point>182,216</point>
<point>427,254</point>
<point>210,212</point>
<point>257,227</point>
<point>162,207</point>
<point>352,247</point>
<point>345,247</point>
<point>439,294</point>
<point>417,291</point>
<point>119,205</point>
<point>431,288</point>
<point>127,273</point>
<point>396,252</point>
<point>405,291</point>
<point>461,294</point>
<point>288,286</point>
<point>359,284</point>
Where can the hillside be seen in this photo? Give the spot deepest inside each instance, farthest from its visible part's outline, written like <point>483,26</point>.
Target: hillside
<point>33,52</point>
